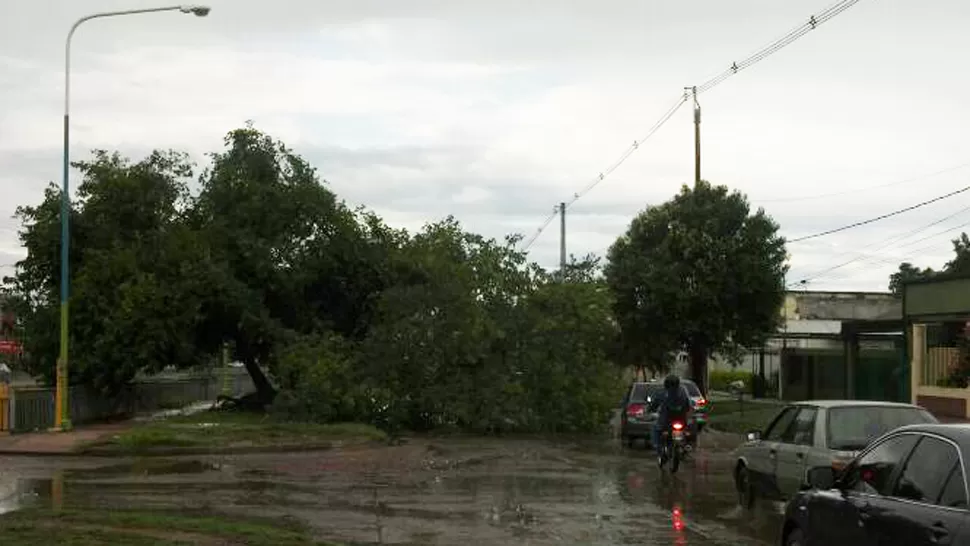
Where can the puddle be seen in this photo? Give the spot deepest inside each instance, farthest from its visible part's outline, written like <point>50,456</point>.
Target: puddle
<point>499,491</point>
<point>144,467</point>
<point>18,493</point>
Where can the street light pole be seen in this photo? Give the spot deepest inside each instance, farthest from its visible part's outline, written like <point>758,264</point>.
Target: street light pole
<point>62,419</point>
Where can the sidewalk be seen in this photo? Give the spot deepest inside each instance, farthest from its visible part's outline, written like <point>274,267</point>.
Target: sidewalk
<point>67,443</point>
<point>56,443</point>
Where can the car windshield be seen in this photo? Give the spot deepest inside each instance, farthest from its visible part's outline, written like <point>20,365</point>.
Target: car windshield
<point>852,428</point>
<point>692,389</point>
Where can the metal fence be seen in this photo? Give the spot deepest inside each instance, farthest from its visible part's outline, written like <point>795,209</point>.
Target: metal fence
<point>32,408</point>
<point>939,362</point>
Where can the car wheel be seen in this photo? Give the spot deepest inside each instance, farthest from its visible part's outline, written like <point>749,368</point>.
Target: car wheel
<point>742,482</point>
<point>795,538</point>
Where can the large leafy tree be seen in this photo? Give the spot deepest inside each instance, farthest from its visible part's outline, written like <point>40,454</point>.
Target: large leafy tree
<point>439,334</point>
<point>138,275</point>
<point>349,318</point>
<point>296,259</point>
<point>699,272</point>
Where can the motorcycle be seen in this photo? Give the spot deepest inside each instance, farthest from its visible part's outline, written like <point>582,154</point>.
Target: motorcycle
<point>676,444</point>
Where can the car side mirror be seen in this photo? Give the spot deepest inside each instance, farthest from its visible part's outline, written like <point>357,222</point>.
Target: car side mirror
<point>752,435</point>
<point>820,477</point>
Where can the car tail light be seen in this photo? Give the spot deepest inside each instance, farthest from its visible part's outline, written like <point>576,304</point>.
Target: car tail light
<point>634,410</point>
<point>678,426</point>
<point>701,403</point>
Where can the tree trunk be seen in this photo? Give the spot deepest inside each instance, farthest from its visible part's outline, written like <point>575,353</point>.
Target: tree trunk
<point>265,390</point>
<point>698,366</point>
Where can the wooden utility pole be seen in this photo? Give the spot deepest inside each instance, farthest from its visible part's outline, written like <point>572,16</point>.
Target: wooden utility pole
<point>562,241</point>
<point>697,137</point>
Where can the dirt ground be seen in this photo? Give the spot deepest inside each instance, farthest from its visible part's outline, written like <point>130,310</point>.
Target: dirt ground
<point>429,491</point>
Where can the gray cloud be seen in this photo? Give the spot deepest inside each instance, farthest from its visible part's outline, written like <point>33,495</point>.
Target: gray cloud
<point>497,111</point>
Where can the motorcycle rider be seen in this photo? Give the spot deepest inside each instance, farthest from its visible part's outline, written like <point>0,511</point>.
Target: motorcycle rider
<point>673,404</point>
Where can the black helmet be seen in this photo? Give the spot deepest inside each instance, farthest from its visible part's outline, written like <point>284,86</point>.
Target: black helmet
<point>671,382</point>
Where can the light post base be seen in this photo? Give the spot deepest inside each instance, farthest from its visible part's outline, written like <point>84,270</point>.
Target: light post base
<point>65,426</point>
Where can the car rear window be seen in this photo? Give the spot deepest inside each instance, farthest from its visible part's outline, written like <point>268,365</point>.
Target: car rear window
<point>692,389</point>
<point>642,390</point>
<point>852,428</point>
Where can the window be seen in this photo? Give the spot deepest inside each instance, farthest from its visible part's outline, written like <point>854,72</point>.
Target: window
<point>852,428</point>
<point>639,393</point>
<point>926,471</point>
<point>802,429</point>
<point>653,394</point>
<point>692,389</point>
<point>871,474</point>
<point>780,424</point>
<point>954,492</point>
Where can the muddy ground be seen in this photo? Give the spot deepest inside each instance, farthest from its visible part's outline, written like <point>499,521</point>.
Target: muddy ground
<point>458,490</point>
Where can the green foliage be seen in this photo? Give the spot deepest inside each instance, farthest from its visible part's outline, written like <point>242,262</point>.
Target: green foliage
<point>699,272</point>
<point>335,315</point>
<point>958,266</point>
<point>136,273</point>
<point>319,383</point>
<point>720,379</point>
<point>215,431</point>
<point>907,272</point>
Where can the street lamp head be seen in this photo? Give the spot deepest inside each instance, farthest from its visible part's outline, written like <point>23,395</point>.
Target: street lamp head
<point>199,11</point>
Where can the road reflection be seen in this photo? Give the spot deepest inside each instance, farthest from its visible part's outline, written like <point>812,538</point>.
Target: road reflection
<point>499,491</point>
<point>17,492</point>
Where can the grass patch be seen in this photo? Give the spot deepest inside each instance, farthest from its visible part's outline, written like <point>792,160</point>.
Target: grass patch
<point>138,528</point>
<point>740,417</point>
<point>223,430</point>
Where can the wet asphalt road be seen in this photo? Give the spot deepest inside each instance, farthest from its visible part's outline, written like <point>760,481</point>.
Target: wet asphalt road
<point>429,491</point>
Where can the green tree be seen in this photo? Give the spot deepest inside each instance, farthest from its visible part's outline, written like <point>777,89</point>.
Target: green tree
<point>137,274</point>
<point>296,259</point>
<point>563,357</point>
<point>699,272</point>
<point>907,272</point>
<point>437,330</point>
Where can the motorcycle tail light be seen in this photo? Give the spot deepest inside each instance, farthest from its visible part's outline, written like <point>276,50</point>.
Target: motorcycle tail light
<point>678,426</point>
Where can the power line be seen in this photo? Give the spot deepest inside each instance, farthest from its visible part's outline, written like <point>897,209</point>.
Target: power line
<point>813,22</point>
<point>875,260</point>
<point>877,218</point>
<point>609,170</point>
<point>542,227</point>
<point>869,188</point>
<point>891,240</point>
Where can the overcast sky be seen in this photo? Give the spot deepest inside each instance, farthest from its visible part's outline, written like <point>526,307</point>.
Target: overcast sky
<point>496,111</point>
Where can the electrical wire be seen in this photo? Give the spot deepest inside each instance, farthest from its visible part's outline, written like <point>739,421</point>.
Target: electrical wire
<point>609,170</point>
<point>878,218</point>
<point>869,188</point>
<point>813,22</point>
<point>539,231</point>
<point>867,257</point>
<point>907,257</point>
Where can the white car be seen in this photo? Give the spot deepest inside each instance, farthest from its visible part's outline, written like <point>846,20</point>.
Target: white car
<point>773,463</point>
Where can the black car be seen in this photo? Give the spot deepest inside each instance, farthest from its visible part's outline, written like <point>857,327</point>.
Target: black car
<point>636,419</point>
<point>637,416</point>
<point>908,488</point>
